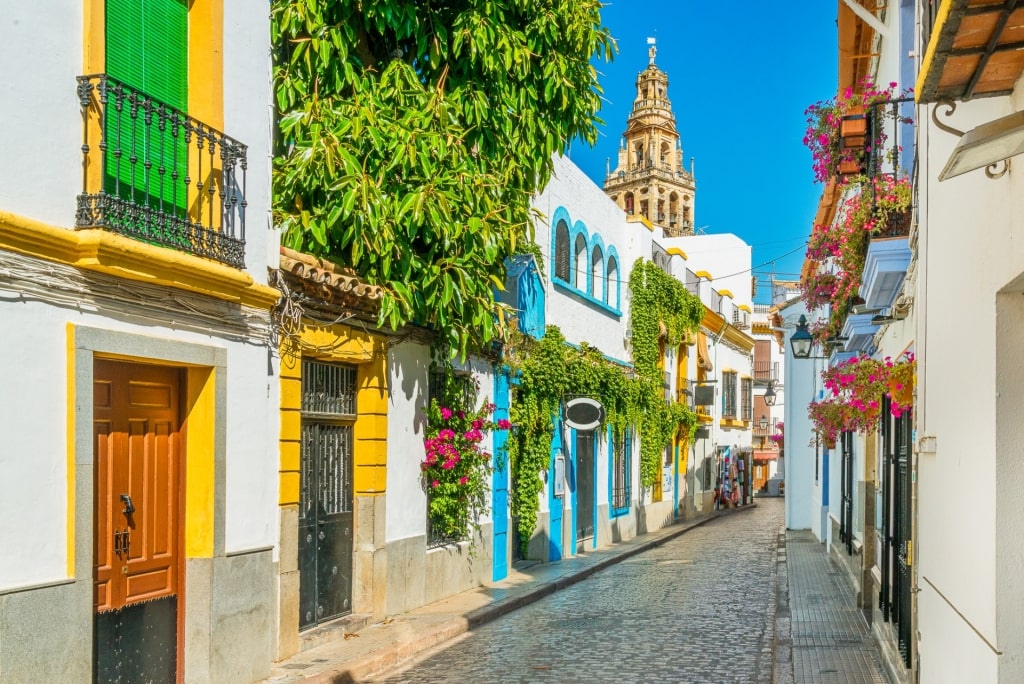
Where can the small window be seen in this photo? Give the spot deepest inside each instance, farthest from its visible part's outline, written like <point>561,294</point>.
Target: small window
<point>613,283</point>
<point>729,395</point>
<point>620,473</point>
<point>597,273</point>
<point>747,399</point>
<point>562,251</point>
<point>580,259</point>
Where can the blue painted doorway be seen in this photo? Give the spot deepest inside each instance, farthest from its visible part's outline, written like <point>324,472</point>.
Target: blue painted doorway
<point>499,483</point>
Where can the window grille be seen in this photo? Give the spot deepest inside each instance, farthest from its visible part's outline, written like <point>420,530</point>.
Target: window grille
<point>328,388</point>
<point>562,251</point>
<point>729,395</point>
<point>621,493</point>
<point>747,398</point>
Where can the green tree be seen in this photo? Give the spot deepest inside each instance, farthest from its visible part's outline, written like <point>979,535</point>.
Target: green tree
<point>414,133</point>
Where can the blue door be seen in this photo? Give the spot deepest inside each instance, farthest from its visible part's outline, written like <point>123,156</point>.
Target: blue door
<point>555,502</point>
<point>499,485</point>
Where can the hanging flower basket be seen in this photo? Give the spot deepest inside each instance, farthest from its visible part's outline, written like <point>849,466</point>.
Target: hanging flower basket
<point>853,130</point>
<point>850,167</point>
<point>829,442</point>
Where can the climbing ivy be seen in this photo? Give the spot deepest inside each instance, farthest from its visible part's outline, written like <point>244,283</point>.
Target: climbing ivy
<point>661,310</point>
<point>547,371</point>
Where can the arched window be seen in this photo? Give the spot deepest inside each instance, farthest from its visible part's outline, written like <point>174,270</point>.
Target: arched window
<point>613,283</point>
<point>562,251</point>
<point>579,263</point>
<point>597,273</point>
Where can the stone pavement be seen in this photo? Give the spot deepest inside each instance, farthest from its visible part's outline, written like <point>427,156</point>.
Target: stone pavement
<point>805,621</point>
<point>821,634</point>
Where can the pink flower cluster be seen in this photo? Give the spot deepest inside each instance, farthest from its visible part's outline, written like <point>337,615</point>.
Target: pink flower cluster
<point>858,385</point>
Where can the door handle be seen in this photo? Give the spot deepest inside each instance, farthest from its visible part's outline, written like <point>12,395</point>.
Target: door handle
<point>129,508</point>
<point>117,543</point>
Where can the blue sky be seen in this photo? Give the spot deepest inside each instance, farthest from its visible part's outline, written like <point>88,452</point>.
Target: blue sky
<point>740,76</point>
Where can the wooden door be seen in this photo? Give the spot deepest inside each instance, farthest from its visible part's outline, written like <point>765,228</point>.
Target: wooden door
<point>137,506</point>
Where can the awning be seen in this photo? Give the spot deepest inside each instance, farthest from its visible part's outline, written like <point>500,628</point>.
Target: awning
<point>703,358</point>
<point>760,455</point>
<point>976,48</point>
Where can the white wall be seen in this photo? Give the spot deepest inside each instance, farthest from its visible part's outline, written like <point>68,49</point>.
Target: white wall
<point>801,380</point>
<point>248,119</point>
<point>580,321</point>
<point>725,256</point>
<point>970,247</point>
<point>34,477</point>
<point>41,137</point>
<point>408,366</point>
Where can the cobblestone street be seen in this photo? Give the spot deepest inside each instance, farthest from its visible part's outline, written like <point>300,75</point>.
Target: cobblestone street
<point>699,608</point>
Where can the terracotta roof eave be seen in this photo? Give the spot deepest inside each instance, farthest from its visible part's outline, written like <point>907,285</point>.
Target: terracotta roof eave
<point>329,278</point>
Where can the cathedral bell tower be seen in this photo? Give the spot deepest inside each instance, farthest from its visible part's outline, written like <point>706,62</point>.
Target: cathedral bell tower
<point>650,179</point>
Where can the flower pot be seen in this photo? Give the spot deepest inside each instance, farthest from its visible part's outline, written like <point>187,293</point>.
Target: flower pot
<point>849,167</point>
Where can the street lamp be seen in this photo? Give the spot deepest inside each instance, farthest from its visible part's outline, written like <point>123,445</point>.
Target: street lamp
<point>801,340</point>
<point>763,423</point>
<point>769,395</point>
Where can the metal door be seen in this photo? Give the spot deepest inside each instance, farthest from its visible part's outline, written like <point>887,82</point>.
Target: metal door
<point>903,543</point>
<point>136,548</point>
<point>846,488</point>
<point>584,485</point>
<point>325,505</point>
<point>885,564</point>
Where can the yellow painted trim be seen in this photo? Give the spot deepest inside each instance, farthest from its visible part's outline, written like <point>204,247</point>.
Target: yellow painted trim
<point>71,474</point>
<point>342,344</point>
<point>200,467</point>
<point>703,274</point>
<point>739,338</point>
<point>933,46</point>
<point>732,423</point>
<point>678,252</point>
<point>639,218</point>
<point>371,429</point>
<point>745,307</point>
<point>726,293</point>
<point>206,62</point>
<point>113,254</point>
<point>94,44</point>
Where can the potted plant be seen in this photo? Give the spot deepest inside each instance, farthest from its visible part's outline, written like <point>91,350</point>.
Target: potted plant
<point>842,131</point>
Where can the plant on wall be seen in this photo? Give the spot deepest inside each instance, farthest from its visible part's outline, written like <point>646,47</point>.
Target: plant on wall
<point>546,371</point>
<point>661,311</point>
<point>836,153</point>
<point>840,247</point>
<point>456,468</point>
<point>412,138</point>
<point>857,387</point>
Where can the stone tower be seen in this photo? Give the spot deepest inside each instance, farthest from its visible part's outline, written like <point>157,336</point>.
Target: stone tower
<point>650,179</point>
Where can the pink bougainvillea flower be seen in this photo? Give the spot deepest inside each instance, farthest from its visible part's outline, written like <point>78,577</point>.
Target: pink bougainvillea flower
<point>446,413</point>
<point>504,424</point>
<point>435,484</point>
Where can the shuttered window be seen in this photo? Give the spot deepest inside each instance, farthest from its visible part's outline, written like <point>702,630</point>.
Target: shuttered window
<point>147,50</point>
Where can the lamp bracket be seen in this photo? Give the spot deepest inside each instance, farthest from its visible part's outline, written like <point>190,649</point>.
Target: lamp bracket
<point>993,171</point>
<point>951,105</point>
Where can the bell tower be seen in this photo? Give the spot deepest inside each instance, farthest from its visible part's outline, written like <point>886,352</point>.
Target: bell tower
<point>650,179</point>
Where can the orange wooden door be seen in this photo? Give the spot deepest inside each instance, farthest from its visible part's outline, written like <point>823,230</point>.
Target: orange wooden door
<point>138,463</point>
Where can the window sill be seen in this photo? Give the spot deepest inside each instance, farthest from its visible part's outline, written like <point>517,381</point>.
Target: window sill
<point>571,290</point>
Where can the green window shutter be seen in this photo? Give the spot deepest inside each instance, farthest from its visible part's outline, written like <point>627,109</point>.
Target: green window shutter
<point>147,49</point>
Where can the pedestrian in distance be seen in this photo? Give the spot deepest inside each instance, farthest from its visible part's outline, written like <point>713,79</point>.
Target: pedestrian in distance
<point>718,494</point>
<point>734,494</point>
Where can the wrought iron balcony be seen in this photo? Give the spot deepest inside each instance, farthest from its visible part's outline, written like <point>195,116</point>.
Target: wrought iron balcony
<point>157,175</point>
<point>766,371</point>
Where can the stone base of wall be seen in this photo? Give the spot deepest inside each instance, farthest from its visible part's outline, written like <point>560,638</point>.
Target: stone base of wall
<point>885,635</point>
<point>654,516</point>
<point>229,624</point>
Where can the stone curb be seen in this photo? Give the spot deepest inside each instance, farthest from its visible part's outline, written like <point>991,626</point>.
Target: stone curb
<point>393,655</point>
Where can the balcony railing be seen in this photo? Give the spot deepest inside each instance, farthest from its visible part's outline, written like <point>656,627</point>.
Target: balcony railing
<point>766,371</point>
<point>157,175</point>
<point>898,225</point>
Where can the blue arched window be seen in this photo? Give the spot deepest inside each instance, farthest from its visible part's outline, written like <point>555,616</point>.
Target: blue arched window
<point>562,251</point>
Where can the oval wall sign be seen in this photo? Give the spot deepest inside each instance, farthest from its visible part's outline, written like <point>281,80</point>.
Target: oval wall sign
<point>583,413</point>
